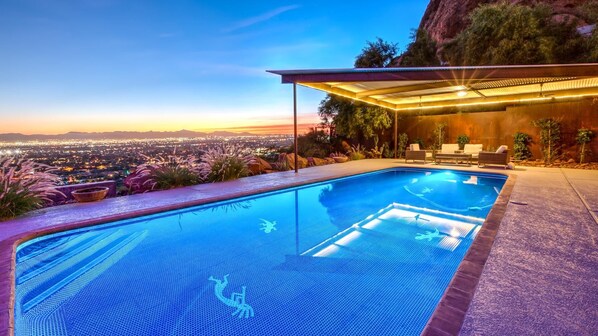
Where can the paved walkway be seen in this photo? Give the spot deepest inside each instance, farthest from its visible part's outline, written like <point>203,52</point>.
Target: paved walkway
<point>541,276</point>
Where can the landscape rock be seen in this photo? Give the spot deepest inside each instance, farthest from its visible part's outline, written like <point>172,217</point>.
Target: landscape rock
<point>444,19</point>
<point>290,160</point>
<point>259,166</point>
<point>320,162</point>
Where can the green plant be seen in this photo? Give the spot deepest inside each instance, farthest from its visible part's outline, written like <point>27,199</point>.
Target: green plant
<point>521,142</point>
<point>402,144</point>
<point>315,143</point>
<point>173,176</point>
<point>376,151</point>
<point>224,163</point>
<point>356,153</point>
<point>281,165</point>
<point>439,135</point>
<point>507,33</point>
<point>583,137</point>
<point>550,136</point>
<point>420,142</point>
<point>24,186</point>
<point>167,173</point>
<point>462,139</point>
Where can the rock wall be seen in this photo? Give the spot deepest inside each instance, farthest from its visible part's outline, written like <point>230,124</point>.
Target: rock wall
<point>444,19</point>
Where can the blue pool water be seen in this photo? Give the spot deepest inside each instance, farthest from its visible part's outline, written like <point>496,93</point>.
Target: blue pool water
<point>365,255</point>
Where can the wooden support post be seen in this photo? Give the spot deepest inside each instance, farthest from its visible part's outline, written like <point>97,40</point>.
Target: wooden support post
<point>396,128</point>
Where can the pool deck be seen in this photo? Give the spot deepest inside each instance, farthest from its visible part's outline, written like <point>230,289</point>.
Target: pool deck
<point>541,276</point>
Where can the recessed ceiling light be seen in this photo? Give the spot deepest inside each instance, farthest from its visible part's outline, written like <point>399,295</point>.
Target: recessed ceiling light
<point>461,93</point>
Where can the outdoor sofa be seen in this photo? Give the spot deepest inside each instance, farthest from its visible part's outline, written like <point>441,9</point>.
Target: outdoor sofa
<point>415,153</point>
<point>500,157</point>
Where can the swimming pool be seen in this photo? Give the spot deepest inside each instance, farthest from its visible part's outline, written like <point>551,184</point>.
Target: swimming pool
<point>360,255</point>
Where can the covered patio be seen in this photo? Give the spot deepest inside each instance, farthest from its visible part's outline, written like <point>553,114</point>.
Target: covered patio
<point>443,90</point>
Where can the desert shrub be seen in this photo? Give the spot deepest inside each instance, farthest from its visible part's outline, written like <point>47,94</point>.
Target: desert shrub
<point>167,173</point>
<point>550,137</point>
<point>314,144</point>
<point>356,153</point>
<point>281,165</point>
<point>24,186</point>
<point>583,137</point>
<point>462,139</point>
<point>439,135</point>
<point>521,142</point>
<point>402,144</point>
<point>225,163</point>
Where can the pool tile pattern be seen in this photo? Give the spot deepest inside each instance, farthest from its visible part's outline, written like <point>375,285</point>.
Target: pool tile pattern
<point>451,311</point>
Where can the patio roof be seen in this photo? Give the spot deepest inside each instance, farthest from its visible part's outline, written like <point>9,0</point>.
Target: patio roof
<point>428,88</point>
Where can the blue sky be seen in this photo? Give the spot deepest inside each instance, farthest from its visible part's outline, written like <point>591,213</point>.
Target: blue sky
<point>101,65</point>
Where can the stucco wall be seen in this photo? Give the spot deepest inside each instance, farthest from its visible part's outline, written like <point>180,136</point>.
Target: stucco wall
<point>493,129</point>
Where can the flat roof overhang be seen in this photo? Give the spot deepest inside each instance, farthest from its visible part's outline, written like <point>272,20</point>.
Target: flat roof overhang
<point>429,88</point>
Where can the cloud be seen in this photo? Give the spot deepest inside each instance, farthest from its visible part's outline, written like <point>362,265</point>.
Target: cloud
<point>260,18</point>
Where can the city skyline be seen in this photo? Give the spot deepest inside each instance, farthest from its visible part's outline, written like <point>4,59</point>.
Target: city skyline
<point>109,65</point>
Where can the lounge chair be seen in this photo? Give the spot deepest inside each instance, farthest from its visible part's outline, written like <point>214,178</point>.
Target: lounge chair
<point>500,157</point>
<point>415,153</point>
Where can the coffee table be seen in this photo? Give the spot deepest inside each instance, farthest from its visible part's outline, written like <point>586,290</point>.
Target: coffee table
<point>457,157</point>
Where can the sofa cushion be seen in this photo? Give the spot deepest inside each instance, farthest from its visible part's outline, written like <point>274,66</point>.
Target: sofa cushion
<point>502,149</point>
<point>449,148</point>
<point>414,147</point>
<point>472,148</point>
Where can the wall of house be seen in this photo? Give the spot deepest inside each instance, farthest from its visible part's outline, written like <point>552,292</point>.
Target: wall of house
<point>493,129</point>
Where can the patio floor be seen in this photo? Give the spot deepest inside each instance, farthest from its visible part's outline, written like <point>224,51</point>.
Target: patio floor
<point>541,276</point>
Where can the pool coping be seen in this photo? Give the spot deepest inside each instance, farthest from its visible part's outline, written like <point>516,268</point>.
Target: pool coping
<point>447,318</point>
<point>449,315</point>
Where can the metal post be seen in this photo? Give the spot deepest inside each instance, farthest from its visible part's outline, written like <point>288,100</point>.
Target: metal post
<point>295,125</point>
<point>296,222</point>
<point>396,127</point>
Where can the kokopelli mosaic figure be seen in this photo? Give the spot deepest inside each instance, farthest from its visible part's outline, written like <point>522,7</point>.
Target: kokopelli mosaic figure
<point>237,300</point>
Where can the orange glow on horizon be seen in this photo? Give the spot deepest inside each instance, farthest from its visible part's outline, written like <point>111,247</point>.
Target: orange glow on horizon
<point>98,123</point>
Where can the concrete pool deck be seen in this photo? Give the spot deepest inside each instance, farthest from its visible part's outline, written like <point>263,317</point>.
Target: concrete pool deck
<point>541,275</point>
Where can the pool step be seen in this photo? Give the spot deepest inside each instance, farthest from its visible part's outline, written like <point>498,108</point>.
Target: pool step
<point>78,274</point>
<point>34,250</point>
<point>79,249</point>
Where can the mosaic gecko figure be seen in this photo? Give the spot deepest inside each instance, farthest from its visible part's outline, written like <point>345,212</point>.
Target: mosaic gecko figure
<point>428,235</point>
<point>237,300</point>
<point>267,226</point>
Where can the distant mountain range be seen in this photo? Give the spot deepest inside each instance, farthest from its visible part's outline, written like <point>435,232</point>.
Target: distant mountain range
<point>117,135</point>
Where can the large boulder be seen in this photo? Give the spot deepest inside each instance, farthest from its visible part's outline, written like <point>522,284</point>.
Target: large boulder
<point>444,19</point>
<point>319,162</point>
<point>290,160</point>
<point>259,166</point>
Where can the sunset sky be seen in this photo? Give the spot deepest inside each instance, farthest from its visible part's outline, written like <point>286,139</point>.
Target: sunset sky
<point>107,65</point>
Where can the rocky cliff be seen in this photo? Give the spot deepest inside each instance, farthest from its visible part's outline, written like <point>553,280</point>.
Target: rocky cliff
<point>444,19</point>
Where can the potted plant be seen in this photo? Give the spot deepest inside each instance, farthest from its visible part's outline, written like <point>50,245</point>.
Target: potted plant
<point>339,157</point>
<point>462,139</point>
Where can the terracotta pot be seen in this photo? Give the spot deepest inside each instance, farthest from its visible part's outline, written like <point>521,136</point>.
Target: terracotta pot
<point>340,159</point>
<point>90,194</point>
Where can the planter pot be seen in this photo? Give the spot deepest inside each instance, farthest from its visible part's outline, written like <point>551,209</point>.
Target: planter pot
<point>90,194</point>
<point>340,159</point>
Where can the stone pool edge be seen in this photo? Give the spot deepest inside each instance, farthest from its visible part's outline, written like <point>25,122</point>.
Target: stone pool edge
<point>450,312</point>
<point>436,325</point>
